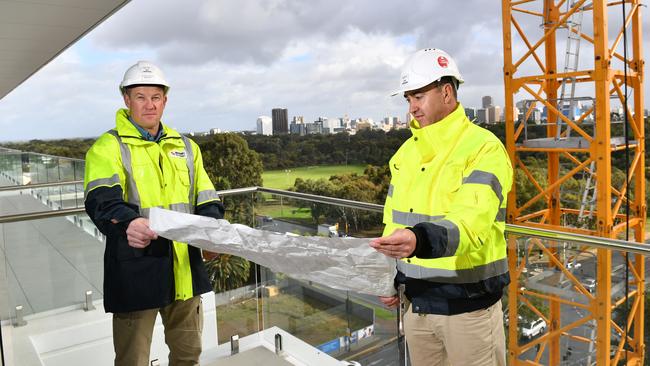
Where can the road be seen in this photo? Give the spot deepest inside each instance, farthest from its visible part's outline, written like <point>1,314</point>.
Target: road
<point>576,352</point>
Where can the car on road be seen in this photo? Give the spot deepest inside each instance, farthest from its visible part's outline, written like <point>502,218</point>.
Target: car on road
<point>534,328</point>
<point>506,319</point>
<point>590,284</point>
<point>573,265</point>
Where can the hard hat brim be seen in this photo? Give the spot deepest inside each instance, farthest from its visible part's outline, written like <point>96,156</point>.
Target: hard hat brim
<point>401,91</point>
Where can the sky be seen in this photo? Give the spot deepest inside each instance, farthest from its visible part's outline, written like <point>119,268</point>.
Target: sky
<point>229,62</point>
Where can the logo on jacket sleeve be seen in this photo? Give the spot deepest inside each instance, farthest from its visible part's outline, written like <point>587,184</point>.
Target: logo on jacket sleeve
<point>177,154</point>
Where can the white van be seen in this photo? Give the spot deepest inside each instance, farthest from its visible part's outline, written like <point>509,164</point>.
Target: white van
<point>534,328</point>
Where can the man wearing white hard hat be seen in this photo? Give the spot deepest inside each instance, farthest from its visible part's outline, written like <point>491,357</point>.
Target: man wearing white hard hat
<point>445,222</point>
<point>139,164</point>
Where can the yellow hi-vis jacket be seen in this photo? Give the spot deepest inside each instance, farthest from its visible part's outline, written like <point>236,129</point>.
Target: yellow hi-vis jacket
<point>127,175</point>
<point>449,184</point>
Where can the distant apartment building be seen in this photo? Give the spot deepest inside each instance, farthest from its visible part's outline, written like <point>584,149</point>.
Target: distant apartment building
<point>280,117</point>
<point>481,115</point>
<point>386,124</point>
<point>345,122</point>
<point>297,126</point>
<point>527,108</point>
<point>315,128</point>
<point>364,125</point>
<point>471,114</point>
<point>330,124</point>
<point>486,102</point>
<point>264,125</point>
<point>494,114</point>
<point>396,122</point>
<point>523,105</point>
<point>391,122</point>
<point>298,129</point>
<point>322,121</point>
<point>534,116</point>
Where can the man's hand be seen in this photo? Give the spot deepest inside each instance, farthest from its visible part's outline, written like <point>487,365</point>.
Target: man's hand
<point>139,234</point>
<point>208,256</point>
<point>399,244</point>
<point>390,302</point>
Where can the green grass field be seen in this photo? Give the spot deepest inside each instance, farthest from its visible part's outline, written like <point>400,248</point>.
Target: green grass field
<point>284,178</point>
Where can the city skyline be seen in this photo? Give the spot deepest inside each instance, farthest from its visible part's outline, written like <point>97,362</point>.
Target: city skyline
<point>228,63</point>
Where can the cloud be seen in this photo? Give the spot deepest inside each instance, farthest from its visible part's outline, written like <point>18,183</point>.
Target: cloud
<point>231,61</point>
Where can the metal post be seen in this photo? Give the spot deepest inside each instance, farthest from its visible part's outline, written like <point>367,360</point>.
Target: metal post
<point>278,343</point>
<point>2,348</point>
<point>19,317</point>
<point>401,340</point>
<point>234,344</point>
<point>88,305</point>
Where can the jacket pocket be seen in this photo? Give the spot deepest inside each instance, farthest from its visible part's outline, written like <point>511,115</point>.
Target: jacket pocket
<point>123,251</point>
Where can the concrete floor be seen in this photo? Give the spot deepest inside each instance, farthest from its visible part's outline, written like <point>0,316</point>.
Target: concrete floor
<point>44,264</point>
<point>255,356</point>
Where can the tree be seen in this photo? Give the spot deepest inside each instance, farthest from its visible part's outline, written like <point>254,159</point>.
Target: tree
<point>231,164</point>
<point>227,272</point>
<point>370,187</point>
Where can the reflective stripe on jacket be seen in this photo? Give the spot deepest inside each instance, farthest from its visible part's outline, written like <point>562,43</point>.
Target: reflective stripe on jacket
<point>166,174</point>
<point>452,178</point>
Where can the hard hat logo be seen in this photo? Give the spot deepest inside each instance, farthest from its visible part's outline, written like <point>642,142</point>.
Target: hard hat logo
<point>405,79</point>
<point>443,62</point>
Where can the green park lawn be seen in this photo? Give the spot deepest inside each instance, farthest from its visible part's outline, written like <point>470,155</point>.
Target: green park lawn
<point>306,318</point>
<point>284,178</point>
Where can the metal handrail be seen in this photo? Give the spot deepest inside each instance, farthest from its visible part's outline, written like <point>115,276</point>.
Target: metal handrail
<point>39,185</point>
<point>325,199</point>
<point>597,242</point>
<point>40,215</point>
<point>14,151</point>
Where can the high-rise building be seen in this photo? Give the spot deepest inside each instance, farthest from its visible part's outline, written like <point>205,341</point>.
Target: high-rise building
<point>486,101</point>
<point>280,118</point>
<point>315,128</point>
<point>331,124</point>
<point>364,125</point>
<point>471,114</point>
<point>481,115</point>
<point>493,114</point>
<point>297,129</point>
<point>264,125</point>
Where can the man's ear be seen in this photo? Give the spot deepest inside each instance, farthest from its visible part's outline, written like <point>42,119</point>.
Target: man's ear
<point>448,93</point>
<point>127,100</point>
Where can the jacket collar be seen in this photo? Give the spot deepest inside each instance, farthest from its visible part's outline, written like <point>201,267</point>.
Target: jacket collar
<point>126,129</point>
<point>440,136</point>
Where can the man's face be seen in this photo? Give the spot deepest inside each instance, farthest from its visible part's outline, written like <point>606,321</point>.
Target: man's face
<point>429,106</point>
<point>146,104</point>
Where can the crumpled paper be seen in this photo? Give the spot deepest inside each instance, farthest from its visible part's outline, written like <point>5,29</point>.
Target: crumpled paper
<point>342,263</point>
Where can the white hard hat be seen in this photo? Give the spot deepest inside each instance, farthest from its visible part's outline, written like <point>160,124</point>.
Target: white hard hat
<point>144,73</point>
<point>425,67</point>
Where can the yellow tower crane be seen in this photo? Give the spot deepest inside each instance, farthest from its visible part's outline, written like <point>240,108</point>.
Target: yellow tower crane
<point>570,125</point>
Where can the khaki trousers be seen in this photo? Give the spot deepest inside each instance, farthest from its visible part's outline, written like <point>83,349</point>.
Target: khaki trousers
<point>183,322</point>
<point>469,339</point>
